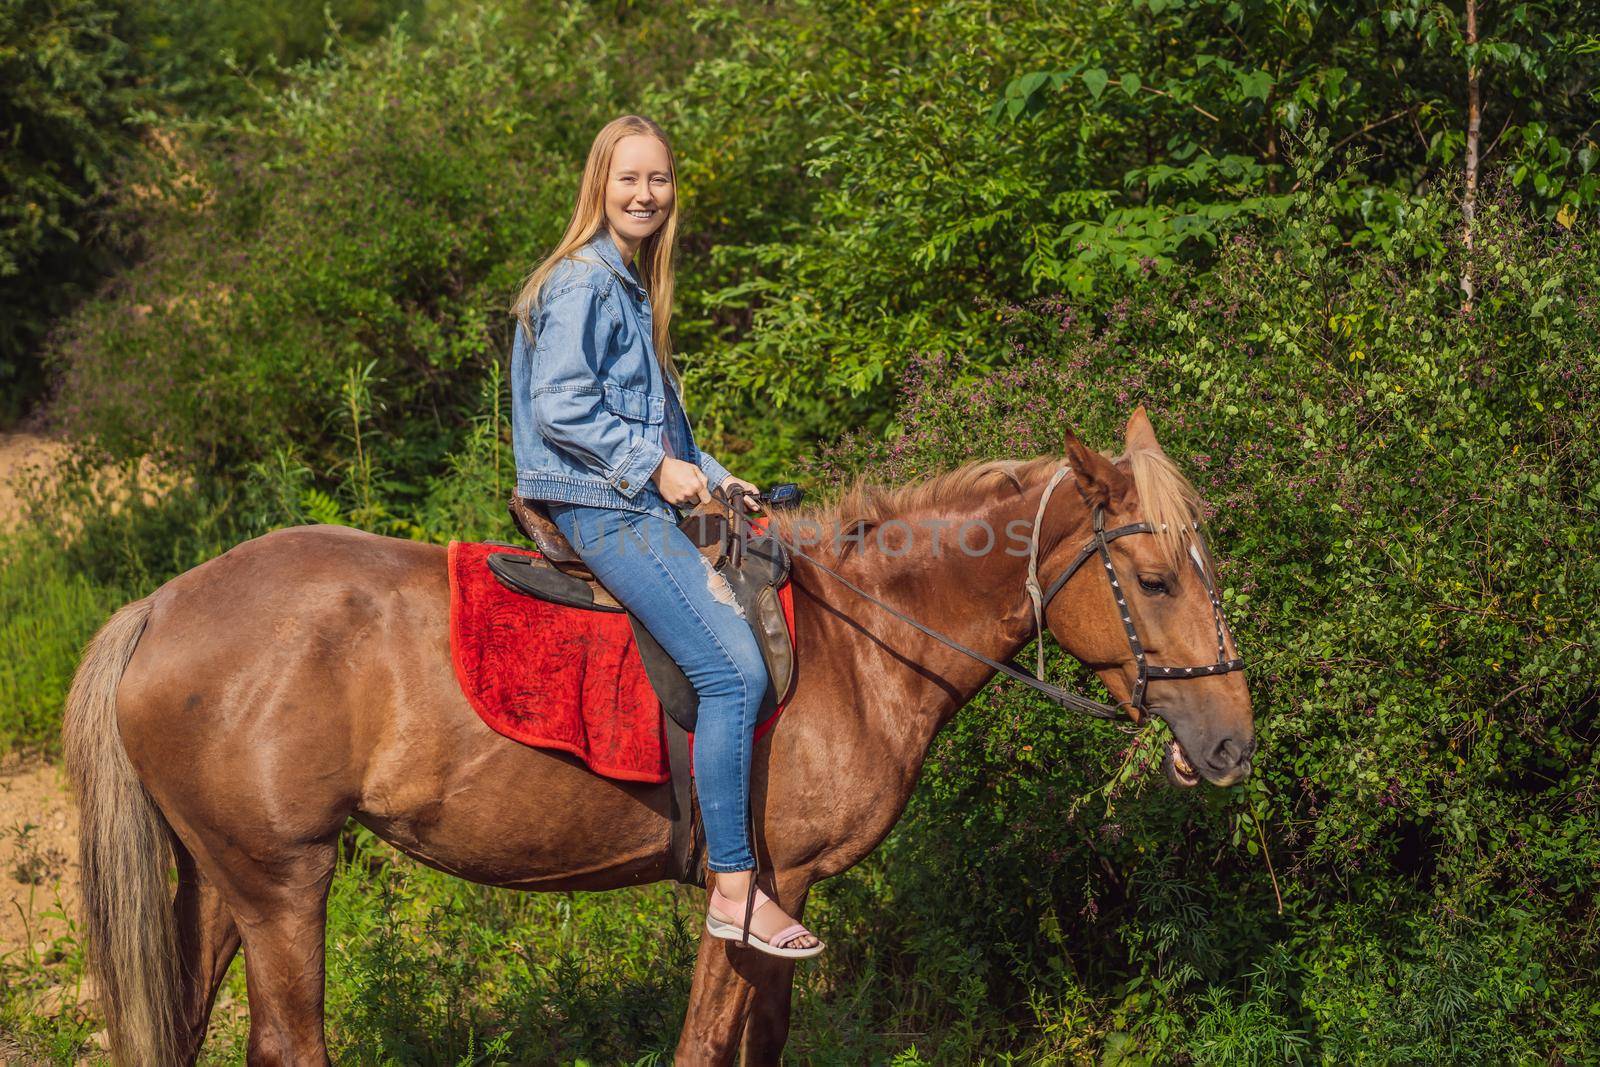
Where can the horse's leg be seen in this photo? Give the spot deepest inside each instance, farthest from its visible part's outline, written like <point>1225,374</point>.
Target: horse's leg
<point>280,902</point>
<point>718,1001</point>
<point>207,940</point>
<point>740,991</point>
<point>766,1028</point>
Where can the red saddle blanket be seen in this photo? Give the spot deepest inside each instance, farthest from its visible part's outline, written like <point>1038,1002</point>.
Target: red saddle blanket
<point>559,677</point>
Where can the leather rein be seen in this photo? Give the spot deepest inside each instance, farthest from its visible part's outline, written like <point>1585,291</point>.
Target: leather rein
<point>1098,544</point>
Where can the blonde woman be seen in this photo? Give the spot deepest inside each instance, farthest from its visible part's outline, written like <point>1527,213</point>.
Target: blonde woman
<point>600,434</point>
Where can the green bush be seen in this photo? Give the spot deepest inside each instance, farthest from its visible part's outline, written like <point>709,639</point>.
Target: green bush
<point>356,241</point>
<point>910,163</point>
<point>322,240</point>
<point>67,83</point>
<point>856,181</point>
<point>1403,491</point>
<point>47,615</point>
<point>1404,503</point>
<point>85,87</point>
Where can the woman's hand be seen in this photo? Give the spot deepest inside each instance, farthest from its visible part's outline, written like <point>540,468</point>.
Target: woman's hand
<point>730,484</point>
<point>682,483</point>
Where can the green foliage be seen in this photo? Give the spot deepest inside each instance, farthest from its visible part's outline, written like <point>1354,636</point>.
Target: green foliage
<point>1120,139</point>
<point>66,83</point>
<point>213,56</point>
<point>1193,134</point>
<point>899,211</point>
<point>48,615</point>
<point>1403,498</point>
<point>423,965</point>
<point>377,214</point>
<point>86,88</point>
<point>907,167</point>
<point>938,232</point>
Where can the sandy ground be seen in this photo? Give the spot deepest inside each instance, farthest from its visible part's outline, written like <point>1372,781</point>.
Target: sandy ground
<point>38,857</point>
<point>19,453</point>
<point>39,877</point>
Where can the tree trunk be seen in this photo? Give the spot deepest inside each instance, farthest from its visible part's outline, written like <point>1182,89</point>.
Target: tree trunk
<point>1469,202</point>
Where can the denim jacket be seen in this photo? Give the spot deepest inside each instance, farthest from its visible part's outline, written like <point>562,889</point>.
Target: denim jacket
<point>589,402</point>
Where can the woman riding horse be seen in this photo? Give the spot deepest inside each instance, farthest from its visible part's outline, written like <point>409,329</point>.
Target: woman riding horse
<point>599,431</point>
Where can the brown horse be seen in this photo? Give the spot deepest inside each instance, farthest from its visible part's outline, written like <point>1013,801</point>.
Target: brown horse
<point>241,713</point>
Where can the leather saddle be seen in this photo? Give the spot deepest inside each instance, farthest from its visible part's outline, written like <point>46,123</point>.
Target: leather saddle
<point>754,567</point>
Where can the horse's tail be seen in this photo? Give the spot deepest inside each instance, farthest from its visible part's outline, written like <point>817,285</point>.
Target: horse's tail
<point>123,850</point>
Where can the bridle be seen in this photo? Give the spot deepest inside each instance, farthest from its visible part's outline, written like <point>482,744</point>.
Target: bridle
<point>1099,544</point>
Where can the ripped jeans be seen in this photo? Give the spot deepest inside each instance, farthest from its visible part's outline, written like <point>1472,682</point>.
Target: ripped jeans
<point>656,572</point>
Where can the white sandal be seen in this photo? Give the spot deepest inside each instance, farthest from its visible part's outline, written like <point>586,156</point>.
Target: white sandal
<point>777,946</point>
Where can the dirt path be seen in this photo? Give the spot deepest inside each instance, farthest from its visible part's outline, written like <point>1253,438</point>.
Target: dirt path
<point>20,452</point>
<point>38,858</point>
<point>38,820</point>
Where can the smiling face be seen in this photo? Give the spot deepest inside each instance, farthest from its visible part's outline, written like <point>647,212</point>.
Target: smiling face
<point>639,191</point>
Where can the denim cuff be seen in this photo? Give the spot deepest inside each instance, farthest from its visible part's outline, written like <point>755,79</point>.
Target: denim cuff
<point>715,868</point>
<point>634,472</point>
<point>714,471</point>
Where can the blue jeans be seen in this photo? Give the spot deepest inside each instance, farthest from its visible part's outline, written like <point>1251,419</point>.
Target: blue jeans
<point>656,572</point>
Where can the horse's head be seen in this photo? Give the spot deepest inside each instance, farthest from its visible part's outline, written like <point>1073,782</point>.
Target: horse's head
<point>1159,581</point>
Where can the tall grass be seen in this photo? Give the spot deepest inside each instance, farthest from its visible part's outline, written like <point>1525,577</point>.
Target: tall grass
<point>47,613</point>
<point>424,968</point>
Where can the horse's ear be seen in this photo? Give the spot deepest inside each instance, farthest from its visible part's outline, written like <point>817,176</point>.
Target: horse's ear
<point>1140,435</point>
<point>1098,480</point>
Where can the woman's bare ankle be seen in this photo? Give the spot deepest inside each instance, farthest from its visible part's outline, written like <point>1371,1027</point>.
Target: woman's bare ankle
<point>735,885</point>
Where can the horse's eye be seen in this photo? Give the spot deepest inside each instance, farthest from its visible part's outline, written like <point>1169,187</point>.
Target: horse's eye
<point>1153,586</point>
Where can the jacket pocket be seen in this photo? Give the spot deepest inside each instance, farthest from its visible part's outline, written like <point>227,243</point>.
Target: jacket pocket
<point>635,404</point>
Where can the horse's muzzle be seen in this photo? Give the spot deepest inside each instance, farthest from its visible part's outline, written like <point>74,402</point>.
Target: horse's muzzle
<point>1226,764</point>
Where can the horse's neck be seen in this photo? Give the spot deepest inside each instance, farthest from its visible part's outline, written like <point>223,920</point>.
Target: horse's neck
<point>980,601</point>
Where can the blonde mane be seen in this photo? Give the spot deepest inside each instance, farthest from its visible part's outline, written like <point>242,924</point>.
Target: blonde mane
<point>864,503</point>
<point>1172,505</point>
<point>1168,501</point>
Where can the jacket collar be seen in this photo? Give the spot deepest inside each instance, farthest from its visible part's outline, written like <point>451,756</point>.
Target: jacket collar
<point>607,250</point>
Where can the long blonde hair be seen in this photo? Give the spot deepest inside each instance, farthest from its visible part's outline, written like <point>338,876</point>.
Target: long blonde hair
<point>655,256</point>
